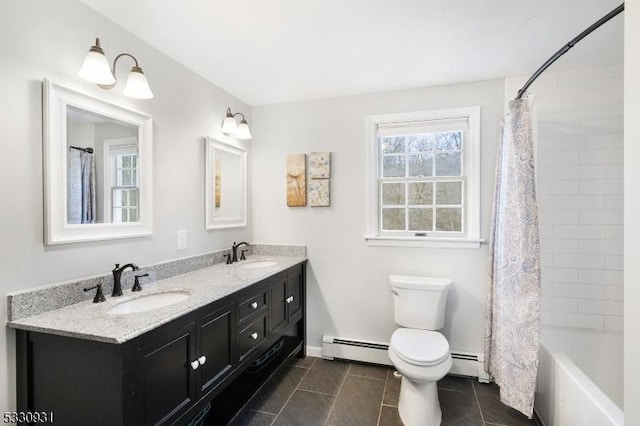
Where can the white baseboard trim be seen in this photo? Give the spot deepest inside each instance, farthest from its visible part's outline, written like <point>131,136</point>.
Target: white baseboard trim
<point>464,363</point>
<point>314,351</point>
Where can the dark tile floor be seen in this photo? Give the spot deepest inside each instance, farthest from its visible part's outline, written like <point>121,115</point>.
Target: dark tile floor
<point>314,391</point>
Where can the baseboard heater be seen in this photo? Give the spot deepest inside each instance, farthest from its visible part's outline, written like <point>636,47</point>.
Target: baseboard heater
<point>464,363</point>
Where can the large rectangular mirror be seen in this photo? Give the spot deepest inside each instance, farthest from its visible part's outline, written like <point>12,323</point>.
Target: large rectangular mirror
<point>225,185</point>
<point>98,164</point>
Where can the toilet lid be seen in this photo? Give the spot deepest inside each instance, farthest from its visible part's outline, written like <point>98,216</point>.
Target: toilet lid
<point>419,347</point>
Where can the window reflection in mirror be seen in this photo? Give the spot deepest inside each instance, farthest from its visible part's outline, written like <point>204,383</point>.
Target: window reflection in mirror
<point>102,169</point>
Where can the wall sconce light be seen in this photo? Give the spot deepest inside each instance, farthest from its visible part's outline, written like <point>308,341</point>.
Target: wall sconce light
<point>96,69</point>
<point>230,127</point>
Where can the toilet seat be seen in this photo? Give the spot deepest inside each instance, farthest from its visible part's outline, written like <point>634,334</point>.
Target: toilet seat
<point>423,348</point>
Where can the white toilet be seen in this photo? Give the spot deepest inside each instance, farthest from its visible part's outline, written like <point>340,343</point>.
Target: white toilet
<point>417,351</point>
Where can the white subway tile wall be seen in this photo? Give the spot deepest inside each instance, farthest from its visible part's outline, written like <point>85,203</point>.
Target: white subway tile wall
<point>580,187</point>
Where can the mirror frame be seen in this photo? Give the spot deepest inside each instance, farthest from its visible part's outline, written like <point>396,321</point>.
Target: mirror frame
<point>56,98</point>
<point>211,221</point>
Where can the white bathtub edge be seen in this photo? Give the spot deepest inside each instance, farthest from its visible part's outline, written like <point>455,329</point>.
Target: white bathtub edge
<point>565,396</point>
<point>599,399</point>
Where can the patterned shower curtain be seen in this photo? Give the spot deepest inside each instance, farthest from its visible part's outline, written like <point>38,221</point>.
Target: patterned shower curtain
<point>81,187</point>
<point>512,335</point>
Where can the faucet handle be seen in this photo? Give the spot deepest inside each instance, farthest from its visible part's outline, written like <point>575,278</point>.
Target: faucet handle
<point>242,257</point>
<point>99,295</point>
<point>136,282</point>
<point>228,256</point>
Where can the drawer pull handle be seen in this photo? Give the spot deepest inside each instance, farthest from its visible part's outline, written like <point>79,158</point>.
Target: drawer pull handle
<point>254,305</point>
<point>195,364</point>
<point>202,360</point>
<point>254,336</point>
<point>289,299</point>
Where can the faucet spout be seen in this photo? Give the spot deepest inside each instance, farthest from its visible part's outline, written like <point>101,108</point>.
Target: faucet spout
<point>117,275</point>
<point>234,250</point>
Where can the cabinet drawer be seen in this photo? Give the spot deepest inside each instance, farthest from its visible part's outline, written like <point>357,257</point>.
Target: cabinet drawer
<point>252,336</point>
<point>251,306</point>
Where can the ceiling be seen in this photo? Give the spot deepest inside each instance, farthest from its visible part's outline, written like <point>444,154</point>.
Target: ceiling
<point>275,51</point>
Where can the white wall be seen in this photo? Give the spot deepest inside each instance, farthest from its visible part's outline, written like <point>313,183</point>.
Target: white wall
<point>580,194</point>
<point>348,291</point>
<point>47,39</point>
<point>632,213</point>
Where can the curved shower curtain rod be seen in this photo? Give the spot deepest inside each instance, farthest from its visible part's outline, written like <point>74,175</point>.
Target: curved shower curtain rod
<point>568,46</point>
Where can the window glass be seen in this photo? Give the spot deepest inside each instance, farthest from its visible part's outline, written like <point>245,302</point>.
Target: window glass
<point>449,219</point>
<point>393,194</point>
<point>421,219</point>
<point>420,193</point>
<point>393,219</point>
<point>412,167</point>
<point>448,164</point>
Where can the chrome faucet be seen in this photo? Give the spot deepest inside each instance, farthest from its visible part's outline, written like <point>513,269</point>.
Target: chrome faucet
<point>117,274</point>
<point>234,250</point>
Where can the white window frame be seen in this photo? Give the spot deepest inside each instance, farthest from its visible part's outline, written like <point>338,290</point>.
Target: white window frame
<point>471,178</point>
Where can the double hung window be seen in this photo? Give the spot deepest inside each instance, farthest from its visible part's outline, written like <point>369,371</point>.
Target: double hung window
<point>426,181</point>
<point>122,203</point>
<point>124,189</point>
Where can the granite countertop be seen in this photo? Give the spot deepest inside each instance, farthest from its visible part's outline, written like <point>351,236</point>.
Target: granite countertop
<point>91,321</point>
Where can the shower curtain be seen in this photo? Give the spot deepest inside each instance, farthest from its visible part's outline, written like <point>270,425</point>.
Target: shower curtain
<point>512,335</point>
<point>81,187</point>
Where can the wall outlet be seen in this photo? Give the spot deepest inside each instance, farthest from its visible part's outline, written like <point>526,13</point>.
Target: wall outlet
<point>182,240</point>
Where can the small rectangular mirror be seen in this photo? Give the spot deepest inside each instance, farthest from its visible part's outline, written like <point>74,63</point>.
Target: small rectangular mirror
<point>225,185</point>
<point>97,159</point>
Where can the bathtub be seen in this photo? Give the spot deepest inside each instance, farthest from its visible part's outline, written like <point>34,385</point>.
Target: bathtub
<point>580,378</point>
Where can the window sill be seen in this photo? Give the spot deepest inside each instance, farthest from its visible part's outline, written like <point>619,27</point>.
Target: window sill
<point>459,243</point>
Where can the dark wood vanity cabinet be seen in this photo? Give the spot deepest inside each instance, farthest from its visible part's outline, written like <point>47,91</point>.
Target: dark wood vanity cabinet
<point>165,387</point>
<point>181,368</point>
<point>286,300</point>
<point>167,375</point>
<point>214,341</point>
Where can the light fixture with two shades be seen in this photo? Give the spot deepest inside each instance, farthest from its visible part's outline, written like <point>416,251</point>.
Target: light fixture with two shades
<point>231,128</point>
<point>96,69</point>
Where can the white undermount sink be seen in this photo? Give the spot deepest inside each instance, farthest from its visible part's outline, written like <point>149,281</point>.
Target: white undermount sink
<point>149,302</point>
<point>256,264</point>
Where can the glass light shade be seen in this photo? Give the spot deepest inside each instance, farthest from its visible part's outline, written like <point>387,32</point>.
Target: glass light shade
<point>137,85</point>
<point>243,130</point>
<point>229,125</point>
<point>95,69</point>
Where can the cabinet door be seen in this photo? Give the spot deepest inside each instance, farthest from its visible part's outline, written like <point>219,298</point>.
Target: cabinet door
<point>278,305</point>
<point>214,335</point>
<point>167,376</point>
<point>294,294</point>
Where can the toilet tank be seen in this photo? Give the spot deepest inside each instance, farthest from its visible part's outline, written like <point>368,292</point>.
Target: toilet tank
<point>419,302</point>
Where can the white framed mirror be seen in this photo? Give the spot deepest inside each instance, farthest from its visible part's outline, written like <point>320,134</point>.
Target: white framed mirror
<point>97,168</point>
<point>225,185</point>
